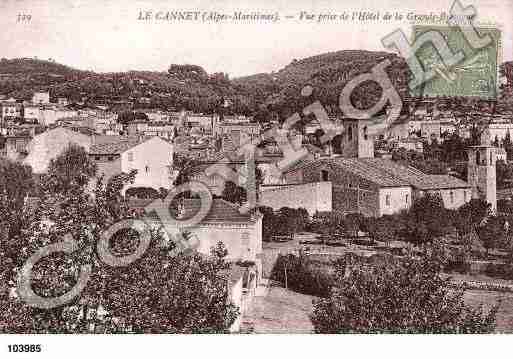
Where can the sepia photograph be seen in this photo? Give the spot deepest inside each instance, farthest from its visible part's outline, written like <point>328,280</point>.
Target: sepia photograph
<point>242,169</point>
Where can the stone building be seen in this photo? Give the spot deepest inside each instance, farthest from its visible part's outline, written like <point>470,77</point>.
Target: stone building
<point>482,173</point>
<point>375,186</point>
<point>364,184</point>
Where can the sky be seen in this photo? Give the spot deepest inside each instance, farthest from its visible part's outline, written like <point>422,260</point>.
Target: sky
<point>106,35</point>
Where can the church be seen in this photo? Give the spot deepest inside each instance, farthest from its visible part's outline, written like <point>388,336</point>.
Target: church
<point>374,187</point>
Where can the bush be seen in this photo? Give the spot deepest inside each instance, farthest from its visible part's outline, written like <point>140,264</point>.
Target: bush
<point>397,296</point>
<point>499,270</point>
<point>302,275</point>
<point>284,222</point>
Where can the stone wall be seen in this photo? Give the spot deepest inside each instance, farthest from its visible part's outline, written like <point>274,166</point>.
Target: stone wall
<point>313,197</point>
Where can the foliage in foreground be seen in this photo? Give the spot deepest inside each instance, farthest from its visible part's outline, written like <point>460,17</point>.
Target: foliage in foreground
<point>161,292</point>
<point>302,275</point>
<point>398,296</point>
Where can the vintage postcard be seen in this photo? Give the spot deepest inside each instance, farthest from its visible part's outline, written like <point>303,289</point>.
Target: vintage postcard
<point>264,167</point>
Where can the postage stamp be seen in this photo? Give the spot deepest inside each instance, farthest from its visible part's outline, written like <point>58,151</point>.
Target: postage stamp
<point>475,76</point>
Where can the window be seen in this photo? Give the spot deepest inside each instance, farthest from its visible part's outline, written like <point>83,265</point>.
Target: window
<point>324,175</point>
<point>110,158</point>
<point>97,158</point>
<point>130,156</point>
<point>147,169</point>
<point>387,200</point>
<point>451,194</point>
<point>407,198</point>
<point>478,158</point>
<point>365,135</point>
<point>350,133</point>
<point>465,195</point>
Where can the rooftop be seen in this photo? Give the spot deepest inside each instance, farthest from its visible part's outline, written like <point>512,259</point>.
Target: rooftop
<point>221,211</point>
<point>388,173</point>
<point>116,146</point>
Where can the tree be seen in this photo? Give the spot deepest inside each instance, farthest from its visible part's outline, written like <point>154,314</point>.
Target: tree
<point>237,194</point>
<point>302,274</point>
<point>393,295</point>
<point>491,233</point>
<point>469,216</point>
<point>508,146</point>
<point>126,117</point>
<point>303,219</point>
<point>189,294</point>
<point>16,183</point>
<point>183,167</point>
<point>353,223</point>
<point>73,168</point>
<point>426,219</point>
<point>268,222</point>
<point>504,174</point>
<point>384,228</point>
<point>495,142</point>
<point>328,223</point>
<point>195,298</point>
<point>233,193</point>
<point>262,115</point>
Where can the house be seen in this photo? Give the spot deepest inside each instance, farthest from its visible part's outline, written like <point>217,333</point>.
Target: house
<point>50,144</point>
<point>152,158</point>
<point>434,129</point>
<point>497,131</point>
<point>241,234</point>
<point>32,113</point>
<point>41,97</point>
<point>11,109</point>
<point>364,184</point>
<point>160,129</point>
<point>137,127</point>
<point>233,135</point>
<point>376,186</point>
<point>215,182</point>
<point>410,144</point>
<point>46,115</point>
<point>101,122</point>
<point>15,147</point>
<point>63,101</point>
<point>199,120</point>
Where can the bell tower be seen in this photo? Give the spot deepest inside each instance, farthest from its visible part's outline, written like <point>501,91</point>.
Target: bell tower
<point>357,141</point>
<point>482,173</point>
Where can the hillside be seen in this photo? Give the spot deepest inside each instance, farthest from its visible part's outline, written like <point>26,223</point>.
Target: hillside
<point>191,87</point>
<point>327,74</point>
<point>19,77</point>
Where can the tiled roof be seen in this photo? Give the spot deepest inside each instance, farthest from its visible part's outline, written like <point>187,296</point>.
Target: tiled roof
<point>387,173</point>
<point>220,211</point>
<point>116,147</point>
<point>415,177</point>
<point>369,171</point>
<point>444,181</point>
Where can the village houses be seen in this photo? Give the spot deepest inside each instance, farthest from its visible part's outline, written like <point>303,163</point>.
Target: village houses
<point>151,157</point>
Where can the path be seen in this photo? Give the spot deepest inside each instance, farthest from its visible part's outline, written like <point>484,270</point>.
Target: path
<point>277,310</point>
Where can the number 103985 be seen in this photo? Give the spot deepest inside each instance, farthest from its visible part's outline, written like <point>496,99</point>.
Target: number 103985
<point>24,348</point>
